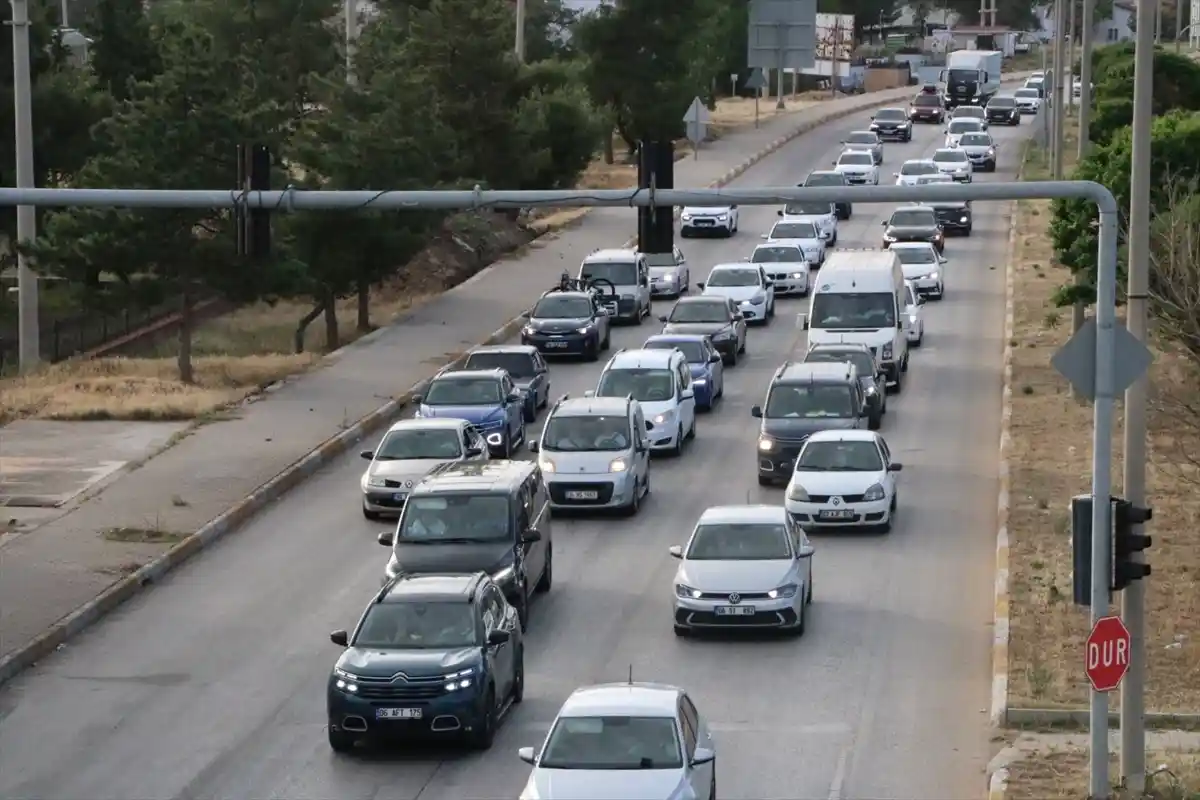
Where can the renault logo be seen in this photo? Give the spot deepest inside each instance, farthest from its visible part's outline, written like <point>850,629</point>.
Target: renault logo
<point>735,598</point>
<point>837,501</point>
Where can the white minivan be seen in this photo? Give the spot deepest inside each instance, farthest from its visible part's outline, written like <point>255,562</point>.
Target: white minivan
<point>661,382</point>
<point>859,297</point>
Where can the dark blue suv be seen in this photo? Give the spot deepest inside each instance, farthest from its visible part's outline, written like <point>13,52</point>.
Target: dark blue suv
<point>487,398</point>
<point>432,655</point>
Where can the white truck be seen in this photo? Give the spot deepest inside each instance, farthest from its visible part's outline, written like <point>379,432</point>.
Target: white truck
<point>971,77</point>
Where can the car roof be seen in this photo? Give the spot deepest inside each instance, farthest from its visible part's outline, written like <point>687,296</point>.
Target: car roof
<point>730,265</point>
<point>911,245</point>
<point>813,372</point>
<point>556,293</point>
<point>912,207</point>
<point>494,372</point>
<point>591,406</point>
<point>849,435</point>
<point>949,150</point>
<point>678,337</point>
<point>451,586</point>
<point>516,349</point>
<point>864,133</point>
<point>918,161</point>
<point>485,476</point>
<point>859,346</point>
<point>897,109</point>
<point>633,359</point>
<point>703,298</point>
<point>744,513</point>
<point>612,254</point>
<point>780,243</point>
<point>967,111</point>
<point>433,423</point>
<point>623,699</point>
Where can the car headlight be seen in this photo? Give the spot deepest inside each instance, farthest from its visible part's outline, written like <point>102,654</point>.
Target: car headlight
<point>912,320</point>
<point>699,382</point>
<point>765,444</point>
<point>887,237</point>
<point>682,590</point>
<point>669,278</point>
<point>758,299</point>
<point>664,418</point>
<point>933,275</point>
<point>797,492</point>
<point>494,439</point>
<point>991,151</point>
<point>617,465</point>
<point>459,680</point>
<point>505,575</point>
<point>529,330</point>
<point>374,481</point>
<point>886,352</point>
<point>785,591</point>
<point>722,217</point>
<point>346,681</point>
<point>546,465</point>
<point>963,220</point>
<point>685,217</point>
<point>796,275</point>
<point>873,493</point>
<point>584,329</point>
<point>872,390</point>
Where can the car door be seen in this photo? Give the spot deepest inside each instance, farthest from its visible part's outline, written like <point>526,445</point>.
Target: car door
<point>683,275</point>
<point>641,445</point>
<point>700,777</point>
<point>533,514</point>
<point>496,617</point>
<point>716,369</point>
<point>806,568</point>
<point>643,284</point>
<point>738,321</point>
<point>886,454</point>
<point>541,379</point>
<point>512,410</point>
<point>768,286</point>
<point>685,396</point>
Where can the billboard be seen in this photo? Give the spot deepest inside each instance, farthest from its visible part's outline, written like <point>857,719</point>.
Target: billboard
<point>782,34</point>
<point>834,35</point>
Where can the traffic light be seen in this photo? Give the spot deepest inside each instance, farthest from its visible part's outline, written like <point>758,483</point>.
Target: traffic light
<point>1081,549</point>
<point>1126,543</point>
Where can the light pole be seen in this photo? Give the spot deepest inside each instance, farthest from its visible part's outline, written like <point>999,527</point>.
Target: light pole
<point>520,33</point>
<point>351,38</point>
<point>29,347</point>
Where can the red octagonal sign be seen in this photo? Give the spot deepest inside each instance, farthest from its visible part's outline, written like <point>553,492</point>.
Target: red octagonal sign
<point>1107,654</point>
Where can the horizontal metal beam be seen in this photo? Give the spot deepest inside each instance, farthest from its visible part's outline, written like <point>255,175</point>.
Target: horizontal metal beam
<point>296,199</point>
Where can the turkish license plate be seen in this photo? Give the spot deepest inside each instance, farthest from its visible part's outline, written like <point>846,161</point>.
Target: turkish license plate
<point>556,344</point>
<point>704,223</point>
<point>398,713</point>
<point>399,497</point>
<point>735,611</point>
<point>842,513</point>
<point>583,495</point>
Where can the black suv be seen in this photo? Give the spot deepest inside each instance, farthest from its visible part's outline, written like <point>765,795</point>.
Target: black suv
<point>570,323</point>
<point>892,123</point>
<point>804,399</point>
<point>431,655</point>
<point>953,216</point>
<point>1003,110</point>
<point>913,224</point>
<point>490,516</point>
<point>927,107</point>
<point>870,373</point>
<point>827,177</point>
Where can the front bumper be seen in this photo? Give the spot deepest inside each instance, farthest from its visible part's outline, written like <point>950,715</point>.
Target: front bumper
<point>1005,119</point>
<point>777,464</point>
<point>440,714</point>
<point>857,180</point>
<point>561,344</point>
<point>926,284</point>
<point>893,134</point>
<point>726,347</point>
<point>609,490</point>
<point>664,436</point>
<point>959,177</point>
<point>754,312</point>
<point>852,514</point>
<point>622,308</point>
<point>891,371</point>
<point>385,502</point>
<point>1028,108</point>
<point>662,288</point>
<point>934,116</point>
<point>780,613</point>
<point>982,161</point>
<point>786,283</point>
<point>955,224</point>
<point>703,226</point>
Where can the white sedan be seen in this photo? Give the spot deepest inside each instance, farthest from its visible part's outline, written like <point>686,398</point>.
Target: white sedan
<point>858,167</point>
<point>700,221</point>
<point>1029,100</point>
<point>955,163</point>
<point>915,314</point>
<point>913,170</point>
<point>745,284</point>
<point>805,235</point>
<point>922,265</point>
<point>844,479</point>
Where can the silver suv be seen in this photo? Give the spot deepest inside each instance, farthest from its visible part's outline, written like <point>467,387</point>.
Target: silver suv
<point>625,274</point>
<point>595,454</point>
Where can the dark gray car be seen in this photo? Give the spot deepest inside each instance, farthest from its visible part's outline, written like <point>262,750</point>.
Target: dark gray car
<point>870,374</point>
<point>713,316</point>
<point>913,224</point>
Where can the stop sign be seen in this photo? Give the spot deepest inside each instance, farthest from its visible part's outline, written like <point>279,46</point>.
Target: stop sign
<point>1107,654</point>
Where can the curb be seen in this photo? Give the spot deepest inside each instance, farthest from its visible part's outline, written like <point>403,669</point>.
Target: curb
<point>1078,718</point>
<point>998,784</point>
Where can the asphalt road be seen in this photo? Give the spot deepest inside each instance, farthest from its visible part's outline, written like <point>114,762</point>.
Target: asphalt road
<point>212,684</point>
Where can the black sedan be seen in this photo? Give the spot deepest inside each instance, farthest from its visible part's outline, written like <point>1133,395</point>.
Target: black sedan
<point>954,217</point>
<point>913,224</point>
<point>1003,110</point>
<point>892,124</point>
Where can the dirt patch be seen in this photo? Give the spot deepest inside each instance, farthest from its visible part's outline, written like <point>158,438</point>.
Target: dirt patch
<point>1050,462</point>
<point>1063,775</point>
<point>142,536</point>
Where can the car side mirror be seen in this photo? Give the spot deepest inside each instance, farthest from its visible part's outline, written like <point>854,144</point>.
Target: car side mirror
<point>513,397</point>
<point>895,174</point>
<point>687,394</point>
<point>802,321</point>
<point>474,452</point>
<point>834,163</point>
<point>417,399</point>
<point>663,319</point>
<point>779,213</point>
<point>884,223</point>
<point>733,207</point>
<point>714,359</point>
<point>703,755</point>
<point>340,638</point>
<point>920,300</point>
<point>531,535</point>
<point>367,455</point>
<point>498,637</point>
<point>589,393</point>
<point>526,314</point>
<point>805,551</point>
<point>386,538</point>
<point>676,551</point>
<point>527,755</point>
<point>769,284</point>
<point>895,467</point>
<point>700,285</point>
<point>756,412</point>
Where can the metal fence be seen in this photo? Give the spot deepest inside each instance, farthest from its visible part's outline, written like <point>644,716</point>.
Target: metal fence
<point>70,336</point>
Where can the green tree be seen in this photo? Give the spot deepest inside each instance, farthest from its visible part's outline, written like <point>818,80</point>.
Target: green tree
<point>547,29</point>
<point>124,51</point>
<point>1175,142</point>
<point>558,123</point>
<point>1176,86</point>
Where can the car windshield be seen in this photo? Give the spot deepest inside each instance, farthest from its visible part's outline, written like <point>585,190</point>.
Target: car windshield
<point>861,361</point>
<point>612,743</point>
<point>451,518</point>
<point>415,443</point>
<point>562,306</point>
<point>915,255</point>
<point>825,179</point>
<point>734,277</point>
<point>1027,92</point>
<point>739,542</point>
<point>840,457</point>
<point>700,311</point>
<point>927,100</point>
<point>962,75</point>
<point>694,352</point>
<point>949,156</point>
<point>980,139</point>
<point>810,401</point>
<point>853,310</point>
<point>646,385</point>
<point>422,626</point>
<point>915,218</point>
<point>708,209</point>
<point>777,255</point>
<point>964,125</point>
<point>917,168</point>
<point>890,115</point>
<point>812,208</point>
<point>856,159</point>
<point>618,273</point>
<point>519,365</point>
<point>862,138</point>
<point>1002,102</point>
<point>794,230</point>
<point>578,434</point>
<point>950,205</point>
<point>463,392</point>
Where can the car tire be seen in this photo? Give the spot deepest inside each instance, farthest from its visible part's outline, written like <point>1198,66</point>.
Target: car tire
<point>677,450</point>
<point>801,623</point>
<point>547,579</point>
<point>808,592</point>
<point>918,341</point>
<point>874,422</point>
<point>484,735</point>
<point>742,346</point>
<point>373,516</point>
<point>339,741</point>
<point>730,360</point>
<point>518,690</point>
<point>771,310</point>
<point>635,504</point>
<point>941,294</point>
<point>967,231</point>
<point>530,412</point>
<point>899,387</point>
<point>605,345</point>
<point>593,353</point>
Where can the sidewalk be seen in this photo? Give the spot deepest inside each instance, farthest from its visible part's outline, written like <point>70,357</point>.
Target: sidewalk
<point>52,571</point>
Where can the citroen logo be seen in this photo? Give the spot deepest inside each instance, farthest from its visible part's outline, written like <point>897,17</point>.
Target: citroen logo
<point>408,484</point>
<point>837,501</point>
<point>735,598</point>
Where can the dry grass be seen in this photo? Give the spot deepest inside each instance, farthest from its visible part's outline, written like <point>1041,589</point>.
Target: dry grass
<point>1050,462</point>
<point>1063,775</point>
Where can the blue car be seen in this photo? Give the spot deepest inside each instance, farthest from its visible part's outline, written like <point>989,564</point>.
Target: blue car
<point>487,398</point>
<point>706,365</point>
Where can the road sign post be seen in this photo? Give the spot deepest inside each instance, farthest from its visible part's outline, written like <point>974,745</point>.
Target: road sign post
<point>782,36</point>
<point>756,81</point>
<point>733,92</point>
<point>696,119</point>
<point>1106,654</point>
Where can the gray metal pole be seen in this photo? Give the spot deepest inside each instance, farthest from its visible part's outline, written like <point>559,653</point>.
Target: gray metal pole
<point>520,34</point>
<point>1178,24</point>
<point>1070,70</point>
<point>29,331</point>
<point>351,7</point>
<point>1158,22</point>
<point>1085,77</point>
<point>1060,71</point>
<point>64,13</point>
<point>1133,598</point>
<point>1044,110</point>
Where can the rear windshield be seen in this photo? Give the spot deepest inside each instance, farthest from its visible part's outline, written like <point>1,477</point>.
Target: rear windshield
<point>926,100</point>
<point>1001,102</point>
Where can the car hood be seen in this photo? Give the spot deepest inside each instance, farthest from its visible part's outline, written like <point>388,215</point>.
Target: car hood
<point>806,245</point>
<point>548,325</point>
<point>405,471</point>
<point>786,266</point>
<point>704,212</point>
<point>803,428</point>
<point>837,483</point>
<point>605,784</point>
<point>738,293</point>
<point>734,576</point>
<point>911,231</point>
<point>816,219</point>
<point>475,414</point>
<point>853,169</point>
<point>695,328</point>
<point>414,663</point>
<point>662,272</point>
<point>874,338</point>
<point>918,270</point>
<point>477,556</point>
<point>890,123</point>
<point>975,148</point>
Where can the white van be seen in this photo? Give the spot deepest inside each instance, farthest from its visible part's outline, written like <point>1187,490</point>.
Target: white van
<point>859,297</point>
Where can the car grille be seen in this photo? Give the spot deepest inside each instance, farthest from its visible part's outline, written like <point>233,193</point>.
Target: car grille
<point>724,596</point>
<point>825,498</point>
<point>783,617</point>
<point>490,425</point>
<point>558,493</point>
<point>399,689</point>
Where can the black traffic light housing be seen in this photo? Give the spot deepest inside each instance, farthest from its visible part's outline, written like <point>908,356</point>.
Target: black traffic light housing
<point>253,224</point>
<point>1126,543</point>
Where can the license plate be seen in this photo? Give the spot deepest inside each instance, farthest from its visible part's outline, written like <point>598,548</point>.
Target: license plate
<point>556,344</point>
<point>735,611</point>
<point>399,497</point>
<point>583,495</point>
<point>840,514</point>
<point>398,713</point>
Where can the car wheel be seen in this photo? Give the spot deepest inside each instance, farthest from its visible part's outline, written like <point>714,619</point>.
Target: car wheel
<point>967,231</point>
<point>941,292</point>
<point>635,504</point>
<point>544,583</point>
<point>518,690</point>
<point>742,346</point>
<point>808,593</point>
<point>593,352</point>
<point>607,343</point>
<point>677,450</point>
<point>730,359</point>
<point>485,733</point>
<point>691,434</point>
<point>917,341</point>
<point>833,241</point>
<point>340,741</point>
<point>530,412</point>
<point>899,387</point>
<point>371,515</point>
<point>801,623</point>
<point>874,422</point>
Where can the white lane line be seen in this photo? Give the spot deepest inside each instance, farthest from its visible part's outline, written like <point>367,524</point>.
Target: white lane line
<point>839,775</point>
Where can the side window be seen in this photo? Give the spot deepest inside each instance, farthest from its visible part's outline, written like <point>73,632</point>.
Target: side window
<point>490,610</point>
<point>887,454</point>
<point>762,276</point>
<point>690,724</point>
<point>684,376</point>
<point>524,506</point>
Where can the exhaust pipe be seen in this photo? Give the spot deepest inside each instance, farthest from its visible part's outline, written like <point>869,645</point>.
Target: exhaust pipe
<point>446,722</point>
<point>354,724</point>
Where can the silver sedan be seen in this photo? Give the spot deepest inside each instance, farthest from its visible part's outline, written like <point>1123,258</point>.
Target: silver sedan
<point>868,141</point>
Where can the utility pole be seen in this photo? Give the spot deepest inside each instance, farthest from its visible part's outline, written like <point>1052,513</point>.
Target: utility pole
<point>351,38</point>
<point>1178,24</point>
<point>833,57</point>
<point>1158,22</point>
<point>1070,71</point>
<point>520,34</point>
<point>1085,78</point>
<point>63,14</point>
<point>1133,597</point>
<point>27,280</point>
<point>1056,91</point>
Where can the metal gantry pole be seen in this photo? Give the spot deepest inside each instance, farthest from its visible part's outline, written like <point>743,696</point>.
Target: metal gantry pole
<point>1133,597</point>
<point>519,40</point>
<point>351,8</point>
<point>29,346</point>
<point>1060,68</point>
<point>1085,77</point>
<point>1070,70</point>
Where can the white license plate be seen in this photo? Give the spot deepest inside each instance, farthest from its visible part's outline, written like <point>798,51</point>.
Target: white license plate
<point>841,514</point>
<point>735,611</point>
<point>398,713</point>
<point>556,344</point>
<point>583,495</point>
<point>399,497</point>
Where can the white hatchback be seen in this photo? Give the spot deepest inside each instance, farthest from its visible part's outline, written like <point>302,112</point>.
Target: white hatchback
<point>661,382</point>
<point>844,479</point>
<point>912,171</point>
<point>745,284</point>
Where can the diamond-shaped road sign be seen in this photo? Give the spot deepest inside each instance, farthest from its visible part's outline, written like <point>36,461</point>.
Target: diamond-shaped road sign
<point>756,81</point>
<point>1076,360</point>
<point>697,119</point>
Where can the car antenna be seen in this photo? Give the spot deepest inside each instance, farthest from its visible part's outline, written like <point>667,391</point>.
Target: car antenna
<point>631,674</point>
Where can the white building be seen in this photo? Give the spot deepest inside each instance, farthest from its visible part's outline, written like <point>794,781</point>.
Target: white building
<point>1118,28</point>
